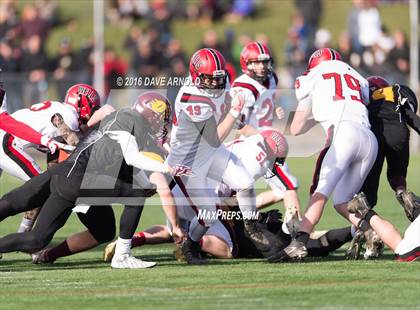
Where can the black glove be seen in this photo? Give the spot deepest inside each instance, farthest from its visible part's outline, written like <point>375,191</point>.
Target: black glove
<point>270,217</point>
<point>405,98</point>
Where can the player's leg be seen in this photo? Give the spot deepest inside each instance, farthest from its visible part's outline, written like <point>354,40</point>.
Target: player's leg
<point>134,199</point>
<point>333,166</point>
<point>16,161</point>
<point>217,241</point>
<point>385,229</point>
<point>409,247</point>
<point>32,193</point>
<point>363,158</point>
<point>100,222</point>
<point>329,242</point>
<point>156,234</point>
<point>397,156</point>
<point>29,218</point>
<point>53,216</point>
<point>350,184</point>
<point>216,246</point>
<point>202,200</point>
<point>371,184</point>
<point>397,153</point>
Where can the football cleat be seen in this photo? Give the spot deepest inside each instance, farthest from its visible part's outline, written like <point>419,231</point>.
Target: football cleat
<point>40,257</point>
<point>256,235</point>
<point>409,201</point>
<point>374,245</point>
<point>353,252</point>
<point>292,221</point>
<point>192,252</point>
<point>296,250</point>
<point>109,251</point>
<point>179,256</point>
<point>127,261</point>
<point>359,205</point>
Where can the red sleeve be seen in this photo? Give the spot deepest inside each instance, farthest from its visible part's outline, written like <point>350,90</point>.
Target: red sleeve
<point>19,129</point>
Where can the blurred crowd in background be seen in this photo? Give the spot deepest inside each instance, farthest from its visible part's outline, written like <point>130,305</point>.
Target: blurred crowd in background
<point>153,50</point>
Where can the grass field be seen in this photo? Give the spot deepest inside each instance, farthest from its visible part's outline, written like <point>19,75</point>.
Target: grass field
<point>84,281</point>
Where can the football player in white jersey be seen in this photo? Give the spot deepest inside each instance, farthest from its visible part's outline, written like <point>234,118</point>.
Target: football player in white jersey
<point>258,83</point>
<point>203,118</point>
<point>45,118</point>
<point>49,118</point>
<point>333,94</point>
<point>21,130</point>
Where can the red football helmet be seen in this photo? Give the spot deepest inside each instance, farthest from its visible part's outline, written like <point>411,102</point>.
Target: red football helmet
<point>156,109</point>
<point>377,82</point>
<point>321,55</point>
<point>256,52</point>
<point>276,143</point>
<point>85,99</point>
<point>208,71</point>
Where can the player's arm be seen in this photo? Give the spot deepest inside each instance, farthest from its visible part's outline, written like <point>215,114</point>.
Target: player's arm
<point>224,128</point>
<point>132,155</point>
<point>19,129</point>
<point>302,121</point>
<point>412,119</point>
<point>100,114</point>
<point>245,128</point>
<point>407,102</point>
<point>168,204</point>
<point>248,130</point>
<point>23,131</point>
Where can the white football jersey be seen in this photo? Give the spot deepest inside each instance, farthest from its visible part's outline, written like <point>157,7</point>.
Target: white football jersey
<point>193,106</point>
<point>252,153</point>
<point>259,100</point>
<point>39,117</point>
<point>335,92</point>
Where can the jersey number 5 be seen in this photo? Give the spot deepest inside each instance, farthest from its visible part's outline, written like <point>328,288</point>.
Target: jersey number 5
<point>351,83</point>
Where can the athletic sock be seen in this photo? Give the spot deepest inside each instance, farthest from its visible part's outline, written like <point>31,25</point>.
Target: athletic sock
<point>123,246</point>
<point>25,225</point>
<point>369,215</point>
<point>138,239</point>
<point>363,225</point>
<point>58,251</point>
<point>337,237</point>
<point>302,236</point>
